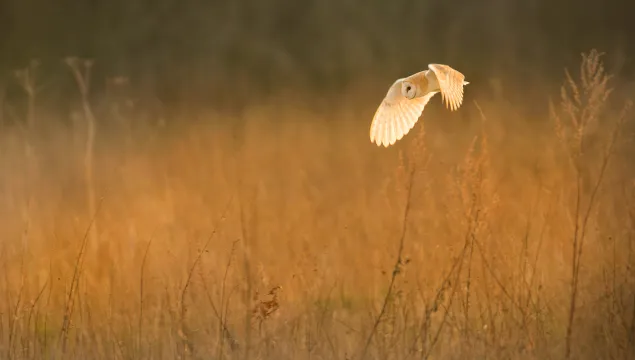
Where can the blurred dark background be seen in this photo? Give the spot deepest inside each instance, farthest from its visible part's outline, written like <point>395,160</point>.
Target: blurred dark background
<point>205,51</point>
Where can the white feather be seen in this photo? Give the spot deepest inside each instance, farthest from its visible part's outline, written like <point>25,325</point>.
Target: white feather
<point>397,114</point>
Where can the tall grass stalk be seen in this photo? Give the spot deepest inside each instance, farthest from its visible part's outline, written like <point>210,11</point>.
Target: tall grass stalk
<point>456,242</point>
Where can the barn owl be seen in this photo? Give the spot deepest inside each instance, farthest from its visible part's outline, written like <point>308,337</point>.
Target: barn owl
<point>407,97</point>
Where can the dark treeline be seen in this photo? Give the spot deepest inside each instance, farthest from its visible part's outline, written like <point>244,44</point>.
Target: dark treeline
<point>192,49</point>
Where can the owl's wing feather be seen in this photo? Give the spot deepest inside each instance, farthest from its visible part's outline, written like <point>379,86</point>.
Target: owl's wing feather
<point>451,83</point>
<point>396,116</point>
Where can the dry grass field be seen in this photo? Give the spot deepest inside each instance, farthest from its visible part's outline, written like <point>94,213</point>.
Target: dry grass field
<point>278,231</point>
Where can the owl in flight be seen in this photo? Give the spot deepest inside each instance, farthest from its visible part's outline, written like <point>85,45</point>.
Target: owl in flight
<point>407,97</point>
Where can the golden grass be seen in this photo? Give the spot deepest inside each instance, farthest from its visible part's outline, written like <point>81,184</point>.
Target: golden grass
<point>281,213</point>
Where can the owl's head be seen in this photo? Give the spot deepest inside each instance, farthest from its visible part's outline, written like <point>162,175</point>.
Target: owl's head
<point>409,90</point>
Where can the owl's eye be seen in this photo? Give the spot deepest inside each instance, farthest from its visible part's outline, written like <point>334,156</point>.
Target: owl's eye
<point>408,90</point>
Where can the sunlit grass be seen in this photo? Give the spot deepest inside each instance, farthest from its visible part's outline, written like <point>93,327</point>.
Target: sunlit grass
<point>198,221</point>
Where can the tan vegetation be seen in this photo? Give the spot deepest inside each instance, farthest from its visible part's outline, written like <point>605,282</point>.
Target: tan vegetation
<point>281,232</point>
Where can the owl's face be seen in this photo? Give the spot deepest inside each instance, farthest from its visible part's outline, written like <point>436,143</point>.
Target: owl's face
<point>409,90</point>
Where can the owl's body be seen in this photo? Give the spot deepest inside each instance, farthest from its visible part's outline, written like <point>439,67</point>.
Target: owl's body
<point>407,97</point>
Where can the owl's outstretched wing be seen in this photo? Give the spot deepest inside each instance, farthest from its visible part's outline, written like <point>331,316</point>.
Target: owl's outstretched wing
<point>451,83</point>
<point>396,115</point>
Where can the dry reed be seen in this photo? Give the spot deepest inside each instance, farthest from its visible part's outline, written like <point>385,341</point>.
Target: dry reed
<point>449,245</point>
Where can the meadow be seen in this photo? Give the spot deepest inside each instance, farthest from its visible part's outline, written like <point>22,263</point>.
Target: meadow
<point>278,231</point>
